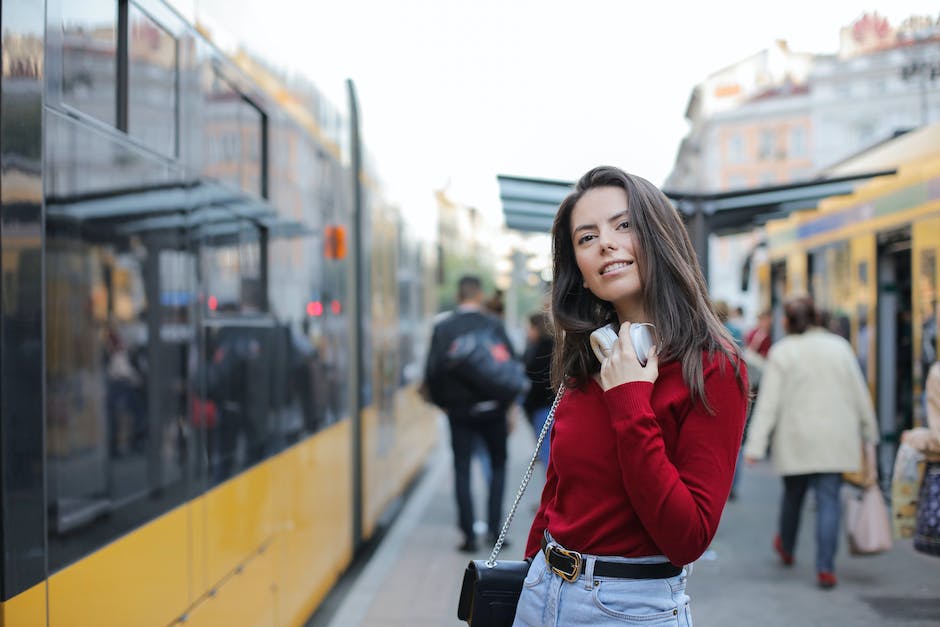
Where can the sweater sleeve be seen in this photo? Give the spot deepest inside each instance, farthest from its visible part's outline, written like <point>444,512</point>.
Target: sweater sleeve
<point>679,500</point>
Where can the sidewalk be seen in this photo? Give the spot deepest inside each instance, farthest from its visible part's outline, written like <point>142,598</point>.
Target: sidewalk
<point>414,576</point>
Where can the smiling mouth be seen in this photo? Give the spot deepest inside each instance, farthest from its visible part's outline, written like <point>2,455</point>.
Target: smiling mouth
<point>618,265</point>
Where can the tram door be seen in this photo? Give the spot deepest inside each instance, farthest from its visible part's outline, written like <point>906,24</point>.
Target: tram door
<point>894,342</point>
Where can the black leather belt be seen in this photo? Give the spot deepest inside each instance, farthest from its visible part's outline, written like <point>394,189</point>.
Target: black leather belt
<point>568,564</point>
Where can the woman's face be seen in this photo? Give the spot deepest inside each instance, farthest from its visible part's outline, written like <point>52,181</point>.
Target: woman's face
<point>605,250</point>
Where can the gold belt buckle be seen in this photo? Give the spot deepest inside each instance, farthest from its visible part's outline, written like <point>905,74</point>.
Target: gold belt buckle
<point>576,560</point>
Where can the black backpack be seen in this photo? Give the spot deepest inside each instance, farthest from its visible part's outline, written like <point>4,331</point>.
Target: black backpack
<point>480,359</point>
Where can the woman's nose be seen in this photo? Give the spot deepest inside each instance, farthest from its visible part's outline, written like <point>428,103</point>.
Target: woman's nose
<point>607,242</point>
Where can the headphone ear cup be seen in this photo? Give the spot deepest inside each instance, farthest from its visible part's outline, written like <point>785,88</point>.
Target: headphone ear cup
<point>602,341</point>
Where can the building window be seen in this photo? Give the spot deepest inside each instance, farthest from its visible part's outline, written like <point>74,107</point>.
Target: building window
<point>766,150</point>
<point>736,148</point>
<point>797,142</point>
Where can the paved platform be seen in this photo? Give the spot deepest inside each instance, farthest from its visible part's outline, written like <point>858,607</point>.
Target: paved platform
<point>413,577</point>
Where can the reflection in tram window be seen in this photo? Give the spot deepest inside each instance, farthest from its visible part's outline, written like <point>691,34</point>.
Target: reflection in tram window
<point>152,83</point>
<point>117,339</point>
<point>231,258</point>
<point>89,56</point>
<point>234,131</point>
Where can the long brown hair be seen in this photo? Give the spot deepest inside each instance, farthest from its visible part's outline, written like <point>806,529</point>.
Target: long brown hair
<point>674,289</point>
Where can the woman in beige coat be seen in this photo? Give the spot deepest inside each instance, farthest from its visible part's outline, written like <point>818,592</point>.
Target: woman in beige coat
<point>927,439</point>
<point>814,410</point>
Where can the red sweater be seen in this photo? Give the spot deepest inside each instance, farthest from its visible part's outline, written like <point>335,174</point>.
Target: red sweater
<point>640,469</point>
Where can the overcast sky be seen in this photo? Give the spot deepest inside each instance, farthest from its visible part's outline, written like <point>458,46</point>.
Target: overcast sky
<point>454,92</point>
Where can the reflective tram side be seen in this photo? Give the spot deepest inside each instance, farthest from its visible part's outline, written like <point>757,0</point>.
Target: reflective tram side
<point>208,383</point>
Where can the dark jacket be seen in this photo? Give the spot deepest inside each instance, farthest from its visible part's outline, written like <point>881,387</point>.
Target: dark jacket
<point>538,365</point>
<point>446,390</point>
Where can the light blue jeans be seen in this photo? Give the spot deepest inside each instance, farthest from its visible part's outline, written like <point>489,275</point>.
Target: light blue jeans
<point>547,600</point>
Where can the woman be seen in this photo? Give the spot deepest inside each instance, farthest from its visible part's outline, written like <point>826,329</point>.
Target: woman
<point>538,359</point>
<point>814,409</point>
<point>642,456</point>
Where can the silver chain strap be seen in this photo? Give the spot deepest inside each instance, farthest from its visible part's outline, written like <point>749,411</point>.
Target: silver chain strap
<point>491,562</point>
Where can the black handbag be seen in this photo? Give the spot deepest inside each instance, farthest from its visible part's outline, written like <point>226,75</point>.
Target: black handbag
<point>490,593</point>
<point>491,588</point>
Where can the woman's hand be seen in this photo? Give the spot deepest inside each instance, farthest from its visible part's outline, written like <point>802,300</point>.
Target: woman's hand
<point>622,365</point>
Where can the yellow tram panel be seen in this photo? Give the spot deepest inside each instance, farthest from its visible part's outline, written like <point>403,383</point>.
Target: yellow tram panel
<point>239,520</point>
<point>245,597</point>
<point>145,574</point>
<point>392,455</point>
<point>26,608</point>
<point>314,544</point>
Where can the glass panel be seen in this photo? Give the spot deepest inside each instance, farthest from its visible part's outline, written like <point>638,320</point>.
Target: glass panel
<point>231,259</point>
<point>118,339</point>
<point>89,57</point>
<point>234,136</point>
<point>152,84</point>
<point>245,365</point>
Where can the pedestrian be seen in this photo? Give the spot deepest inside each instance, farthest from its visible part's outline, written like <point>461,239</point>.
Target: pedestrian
<point>538,361</point>
<point>471,412</point>
<point>756,345</point>
<point>758,339</point>
<point>926,439</point>
<point>641,456</point>
<point>814,402</point>
<point>724,315</point>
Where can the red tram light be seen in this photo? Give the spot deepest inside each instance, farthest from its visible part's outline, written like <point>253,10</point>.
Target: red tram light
<point>315,308</point>
<point>213,303</point>
<point>336,307</point>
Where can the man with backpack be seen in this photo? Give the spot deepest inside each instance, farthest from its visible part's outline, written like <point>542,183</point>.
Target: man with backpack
<point>473,375</point>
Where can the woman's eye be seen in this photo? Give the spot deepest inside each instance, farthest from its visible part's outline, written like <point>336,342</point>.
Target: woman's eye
<point>585,238</point>
<point>624,225</point>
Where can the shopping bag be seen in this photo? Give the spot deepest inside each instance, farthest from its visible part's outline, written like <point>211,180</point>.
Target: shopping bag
<point>867,475</point>
<point>866,521</point>
<point>905,486</point>
<point>927,533</point>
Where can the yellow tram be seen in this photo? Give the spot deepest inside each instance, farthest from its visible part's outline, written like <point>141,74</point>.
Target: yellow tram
<point>212,329</point>
<point>870,260</point>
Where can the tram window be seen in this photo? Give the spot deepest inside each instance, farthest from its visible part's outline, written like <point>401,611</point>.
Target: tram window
<point>119,336</point>
<point>153,55</point>
<point>89,56</point>
<point>926,299</point>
